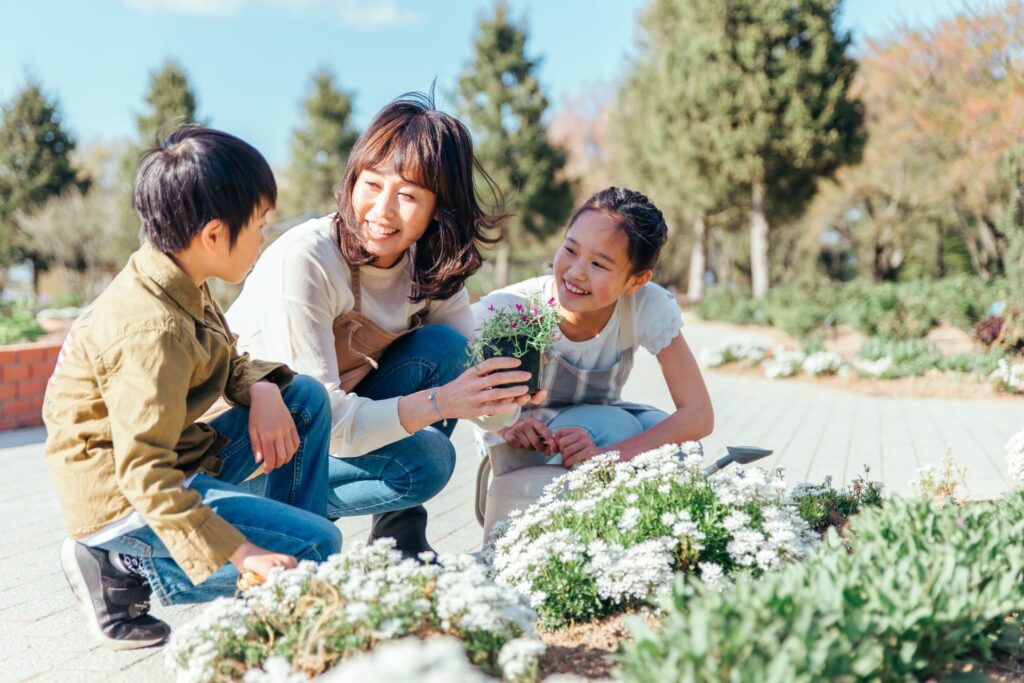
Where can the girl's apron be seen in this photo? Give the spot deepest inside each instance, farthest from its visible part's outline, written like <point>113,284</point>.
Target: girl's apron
<point>567,385</point>
<point>360,342</point>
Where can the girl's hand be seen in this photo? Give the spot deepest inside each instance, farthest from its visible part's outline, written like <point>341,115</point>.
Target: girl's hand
<point>530,433</point>
<point>271,427</point>
<point>259,560</point>
<point>490,388</point>
<point>575,445</point>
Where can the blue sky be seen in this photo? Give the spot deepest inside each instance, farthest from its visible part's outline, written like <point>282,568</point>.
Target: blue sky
<point>251,60</point>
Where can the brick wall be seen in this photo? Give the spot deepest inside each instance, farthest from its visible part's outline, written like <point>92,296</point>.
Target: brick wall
<point>24,371</point>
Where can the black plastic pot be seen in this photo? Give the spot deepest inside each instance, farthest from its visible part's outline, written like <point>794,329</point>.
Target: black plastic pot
<point>530,361</point>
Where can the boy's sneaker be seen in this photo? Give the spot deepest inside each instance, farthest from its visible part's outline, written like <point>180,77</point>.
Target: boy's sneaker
<point>115,604</point>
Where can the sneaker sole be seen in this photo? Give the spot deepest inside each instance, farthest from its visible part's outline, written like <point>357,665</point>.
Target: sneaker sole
<point>81,591</point>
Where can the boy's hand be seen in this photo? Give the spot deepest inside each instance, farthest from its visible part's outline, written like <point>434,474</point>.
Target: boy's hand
<point>271,427</point>
<point>530,433</point>
<point>259,560</point>
<point>575,445</point>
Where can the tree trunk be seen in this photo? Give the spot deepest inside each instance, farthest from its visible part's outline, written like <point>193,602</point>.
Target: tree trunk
<point>758,241</point>
<point>698,259</point>
<point>501,266</point>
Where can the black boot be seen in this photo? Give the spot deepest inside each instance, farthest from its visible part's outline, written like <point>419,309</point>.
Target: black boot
<point>408,527</point>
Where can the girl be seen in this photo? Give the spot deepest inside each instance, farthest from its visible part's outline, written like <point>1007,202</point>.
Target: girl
<point>609,306</point>
<point>370,301</point>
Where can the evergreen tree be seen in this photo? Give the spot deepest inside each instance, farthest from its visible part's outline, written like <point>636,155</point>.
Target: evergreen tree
<point>170,102</point>
<point>320,147</point>
<point>761,89</point>
<point>501,101</point>
<point>35,164</point>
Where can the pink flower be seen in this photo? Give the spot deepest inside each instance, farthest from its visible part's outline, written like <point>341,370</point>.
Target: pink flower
<point>491,308</point>
<point>551,302</point>
<point>520,308</point>
<point>512,325</point>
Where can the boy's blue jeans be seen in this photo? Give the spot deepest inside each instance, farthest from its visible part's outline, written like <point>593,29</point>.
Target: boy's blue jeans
<point>412,470</point>
<point>290,519</point>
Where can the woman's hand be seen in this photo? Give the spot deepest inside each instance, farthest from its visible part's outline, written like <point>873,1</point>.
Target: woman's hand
<point>530,433</point>
<point>575,445</point>
<point>490,388</point>
<point>271,427</point>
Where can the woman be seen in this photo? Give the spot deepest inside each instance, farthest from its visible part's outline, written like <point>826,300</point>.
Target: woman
<point>371,301</point>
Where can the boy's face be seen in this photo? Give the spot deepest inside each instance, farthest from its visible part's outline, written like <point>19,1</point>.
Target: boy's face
<point>240,259</point>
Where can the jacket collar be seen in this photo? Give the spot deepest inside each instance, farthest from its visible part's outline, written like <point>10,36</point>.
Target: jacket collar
<point>162,270</point>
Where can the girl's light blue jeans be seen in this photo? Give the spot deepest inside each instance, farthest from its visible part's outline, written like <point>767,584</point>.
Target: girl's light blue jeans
<point>412,470</point>
<point>607,425</point>
<point>290,519</point>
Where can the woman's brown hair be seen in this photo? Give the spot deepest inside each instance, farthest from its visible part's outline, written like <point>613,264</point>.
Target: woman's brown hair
<point>434,150</point>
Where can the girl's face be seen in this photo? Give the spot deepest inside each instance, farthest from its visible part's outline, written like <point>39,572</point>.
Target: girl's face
<point>592,267</point>
<point>392,213</point>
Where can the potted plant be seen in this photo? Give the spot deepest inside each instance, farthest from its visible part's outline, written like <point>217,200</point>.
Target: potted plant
<point>523,331</point>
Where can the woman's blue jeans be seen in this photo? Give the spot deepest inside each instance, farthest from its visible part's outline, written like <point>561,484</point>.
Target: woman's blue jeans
<point>607,425</point>
<point>290,519</point>
<point>412,470</point>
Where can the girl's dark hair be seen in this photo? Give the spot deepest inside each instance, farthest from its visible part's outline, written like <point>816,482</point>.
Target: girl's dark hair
<point>434,150</point>
<point>638,217</point>
<point>196,175</point>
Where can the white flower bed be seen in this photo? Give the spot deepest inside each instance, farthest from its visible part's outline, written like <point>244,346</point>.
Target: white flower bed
<point>609,535</point>
<point>1009,376</point>
<point>874,368</point>
<point>308,618</point>
<point>822,363</point>
<point>749,349</point>
<point>783,363</point>
<point>1015,458</point>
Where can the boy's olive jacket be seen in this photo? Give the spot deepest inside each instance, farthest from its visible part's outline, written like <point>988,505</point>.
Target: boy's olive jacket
<point>137,370</point>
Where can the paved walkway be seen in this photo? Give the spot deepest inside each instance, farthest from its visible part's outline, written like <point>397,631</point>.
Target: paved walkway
<point>814,432</point>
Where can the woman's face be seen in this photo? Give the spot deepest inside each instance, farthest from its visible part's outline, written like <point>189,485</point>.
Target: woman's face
<point>592,267</point>
<point>391,212</point>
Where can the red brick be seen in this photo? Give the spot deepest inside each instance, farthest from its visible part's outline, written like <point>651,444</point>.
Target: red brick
<point>43,368</point>
<point>7,423</point>
<point>14,372</point>
<point>7,356</point>
<point>17,407</point>
<point>31,354</point>
<point>7,390</point>
<point>32,388</point>
<point>30,420</point>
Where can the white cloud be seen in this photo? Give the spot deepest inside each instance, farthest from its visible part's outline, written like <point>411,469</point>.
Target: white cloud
<point>357,13</point>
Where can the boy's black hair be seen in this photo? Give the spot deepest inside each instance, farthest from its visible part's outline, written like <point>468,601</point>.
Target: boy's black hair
<point>637,216</point>
<point>196,175</point>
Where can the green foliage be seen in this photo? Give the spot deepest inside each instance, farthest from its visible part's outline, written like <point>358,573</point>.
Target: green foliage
<point>893,310</point>
<point>35,163</point>
<point>825,506</point>
<point>911,589</point>
<point>320,147</point>
<point>503,105</point>
<point>18,324</point>
<point>739,98</point>
<point>913,357</point>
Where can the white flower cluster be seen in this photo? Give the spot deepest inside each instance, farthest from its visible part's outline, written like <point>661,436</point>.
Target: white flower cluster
<point>783,363</point>
<point>410,660</point>
<point>375,595</point>
<point>627,524</point>
<point>750,349</point>
<point>1009,376</point>
<point>874,368</point>
<point>822,363</point>
<point>1015,458</point>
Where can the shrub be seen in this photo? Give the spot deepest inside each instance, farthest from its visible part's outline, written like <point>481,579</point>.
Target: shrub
<point>911,589</point>
<point>1015,458</point>
<point>607,536</point>
<point>313,616</point>
<point>18,324</point>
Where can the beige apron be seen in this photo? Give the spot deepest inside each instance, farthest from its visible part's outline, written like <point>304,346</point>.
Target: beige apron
<point>360,342</point>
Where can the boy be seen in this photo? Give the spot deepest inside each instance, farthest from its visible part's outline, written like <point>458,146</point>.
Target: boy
<point>148,492</point>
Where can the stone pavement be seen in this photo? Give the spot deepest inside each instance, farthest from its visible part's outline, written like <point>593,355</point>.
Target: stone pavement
<point>814,432</point>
